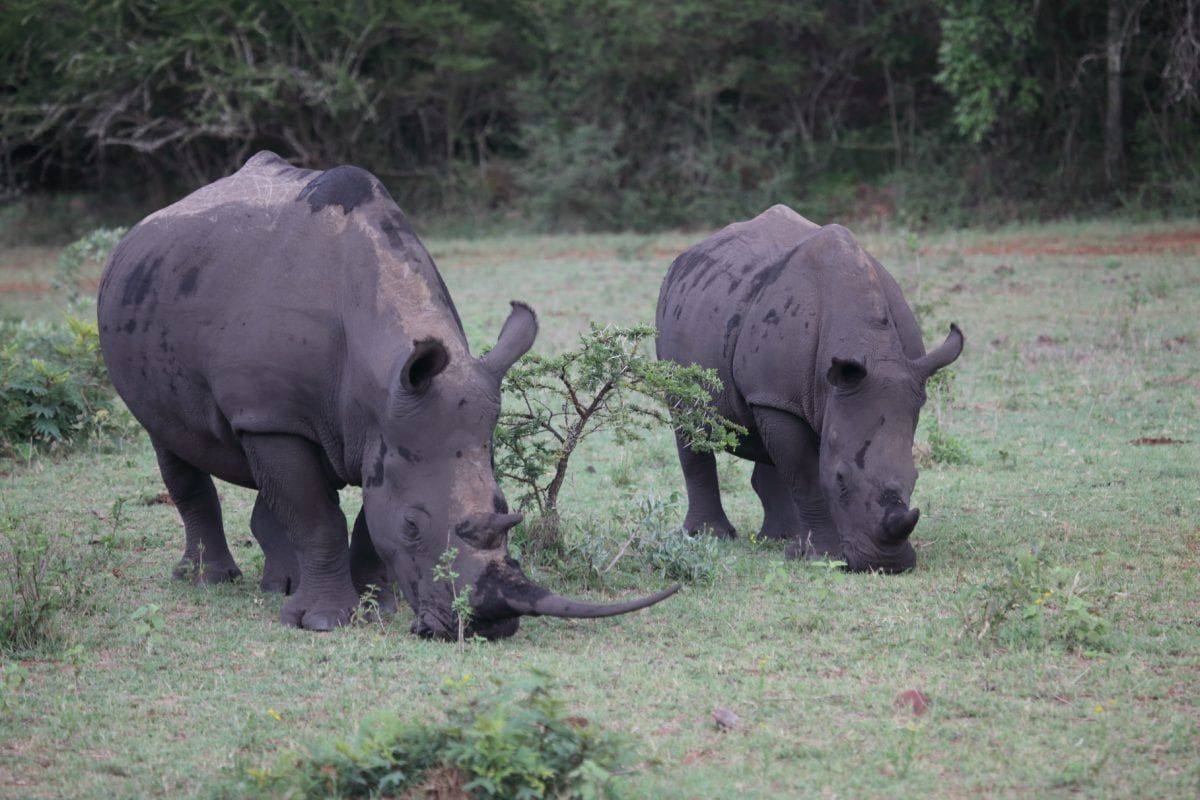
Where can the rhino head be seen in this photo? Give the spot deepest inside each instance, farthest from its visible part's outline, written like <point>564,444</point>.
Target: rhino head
<point>866,465</point>
<point>434,488</point>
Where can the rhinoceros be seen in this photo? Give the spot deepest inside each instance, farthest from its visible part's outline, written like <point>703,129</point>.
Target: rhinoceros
<point>823,364</point>
<point>284,330</point>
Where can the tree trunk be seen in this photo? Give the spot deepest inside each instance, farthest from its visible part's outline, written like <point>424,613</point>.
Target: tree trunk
<point>1113,145</point>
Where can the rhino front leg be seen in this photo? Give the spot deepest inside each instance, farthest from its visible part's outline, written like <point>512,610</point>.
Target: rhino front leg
<point>367,569</point>
<point>795,451</point>
<point>704,494</point>
<point>779,511</point>
<point>281,568</point>
<point>206,557</point>
<point>292,479</point>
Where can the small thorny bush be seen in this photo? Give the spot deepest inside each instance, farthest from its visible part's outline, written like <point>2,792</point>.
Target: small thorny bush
<point>608,383</point>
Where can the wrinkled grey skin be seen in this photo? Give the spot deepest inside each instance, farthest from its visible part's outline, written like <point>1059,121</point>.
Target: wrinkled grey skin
<point>284,330</point>
<point>822,362</point>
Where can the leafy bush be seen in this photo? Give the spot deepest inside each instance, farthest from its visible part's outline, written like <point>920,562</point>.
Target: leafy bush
<point>607,383</point>
<point>90,251</point>
<point>515,741</point>
<point>54,387</point>
<point>42,577</point>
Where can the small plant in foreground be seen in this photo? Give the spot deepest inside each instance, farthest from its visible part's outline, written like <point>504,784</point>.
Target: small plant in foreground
<point>1034,603</point>
<point>653,544</point>
<point>607,383</point>
<point>148,623</point>
<point>443,570</point>
<point>515,741</point>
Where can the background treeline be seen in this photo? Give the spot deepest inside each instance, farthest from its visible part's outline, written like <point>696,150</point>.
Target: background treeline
<point>611,114</point>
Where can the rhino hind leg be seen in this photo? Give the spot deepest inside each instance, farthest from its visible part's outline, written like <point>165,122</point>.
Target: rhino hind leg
<point>281,568</point>
<point>206,557</point>
<point>367,569</point>
<point>795,452</point>
<point>291,477</point>
<point>779,512</point>
<point>705,512</point>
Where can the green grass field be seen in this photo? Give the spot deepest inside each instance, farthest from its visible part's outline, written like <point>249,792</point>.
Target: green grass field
<point>1082,340</point>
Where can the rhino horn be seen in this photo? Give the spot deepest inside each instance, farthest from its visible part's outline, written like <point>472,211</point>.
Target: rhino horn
<point>527,598</point>
<point>900,523</point>
<point>942,355</point>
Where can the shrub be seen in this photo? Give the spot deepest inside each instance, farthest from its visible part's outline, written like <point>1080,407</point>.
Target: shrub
<point>91,251</point>
<point>54,387</point>
<point>607,383</point>
<point>515,741</point>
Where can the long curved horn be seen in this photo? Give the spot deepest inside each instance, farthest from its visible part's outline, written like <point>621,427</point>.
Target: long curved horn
<point>942,355</point>
<point>533,601</point>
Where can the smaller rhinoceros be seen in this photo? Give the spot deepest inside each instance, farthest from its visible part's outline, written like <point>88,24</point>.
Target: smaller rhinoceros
<point>822,362</point>
<point>284,330</point>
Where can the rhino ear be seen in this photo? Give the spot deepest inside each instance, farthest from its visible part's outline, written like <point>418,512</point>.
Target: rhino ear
<point>845,373</point>
<point>426,361</point>
<point>516,337</point>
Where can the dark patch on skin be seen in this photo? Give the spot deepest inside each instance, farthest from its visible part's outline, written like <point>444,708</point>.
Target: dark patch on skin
<point>789,302</point>
<point>187,286</point>
<point>407,455</point>
<point>462,402</point>
<point>145,326</point>
<point>767,277</point>
<point>345,186</point>
<point>458,453</point>
<point>678,310</point>
<point>140,282</point>
<point>771,318</point>
<point>499,504</point>
<point>131,326</point>
<point>734,284</point>
<point>730,327</point>
<point>376,478</point>
<point>860,457</point>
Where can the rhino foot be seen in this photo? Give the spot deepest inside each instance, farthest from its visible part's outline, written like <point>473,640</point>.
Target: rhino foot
<point>721,529</point>
<point>279,584</point>
<point>318,613</point>
<point>206,573</point>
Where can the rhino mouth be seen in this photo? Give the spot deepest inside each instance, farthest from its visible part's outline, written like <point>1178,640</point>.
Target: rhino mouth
<point>890,558</point>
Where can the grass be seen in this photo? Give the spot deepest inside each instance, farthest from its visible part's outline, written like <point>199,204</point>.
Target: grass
<point>1071,357</point>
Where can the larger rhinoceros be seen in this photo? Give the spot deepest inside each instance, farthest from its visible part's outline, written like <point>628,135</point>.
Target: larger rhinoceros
<point>284,330</point>
<point>822,362</point>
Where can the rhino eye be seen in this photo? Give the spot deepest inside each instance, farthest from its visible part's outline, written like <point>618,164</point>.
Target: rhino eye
<point>410,530</point>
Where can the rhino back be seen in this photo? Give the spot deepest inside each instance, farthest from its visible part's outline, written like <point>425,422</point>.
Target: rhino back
<point>708,294</point>
<point>272,301</point>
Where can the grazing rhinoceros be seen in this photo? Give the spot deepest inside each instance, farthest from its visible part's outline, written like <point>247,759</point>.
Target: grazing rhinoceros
<point>823,363</point>
<point>284,330</point>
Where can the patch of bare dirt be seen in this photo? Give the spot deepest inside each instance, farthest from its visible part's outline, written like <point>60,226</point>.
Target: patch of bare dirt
<point>1180,241</point>
<point>1147,440</point>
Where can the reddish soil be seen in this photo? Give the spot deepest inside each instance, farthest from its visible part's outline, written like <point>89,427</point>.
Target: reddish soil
<point>1157,440</point>
<point>1182,241</point>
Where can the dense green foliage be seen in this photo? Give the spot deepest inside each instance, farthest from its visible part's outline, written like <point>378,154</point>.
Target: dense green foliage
<point>618,114</point>
<point>514,742</point>
<point>54,387</point>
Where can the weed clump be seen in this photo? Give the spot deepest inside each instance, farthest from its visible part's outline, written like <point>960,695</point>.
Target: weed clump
<point>515,741</point>
<point>41,577</point>
<point>1035,604</point>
